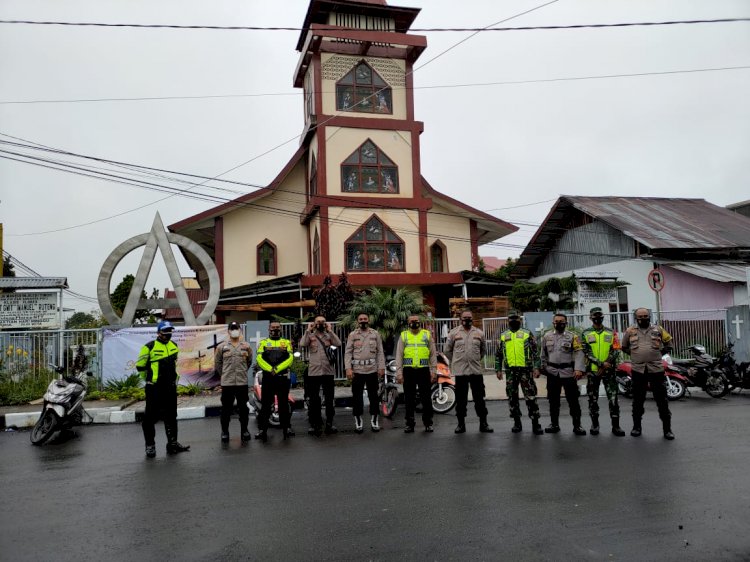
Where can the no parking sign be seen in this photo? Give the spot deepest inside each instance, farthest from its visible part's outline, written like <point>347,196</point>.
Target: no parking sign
<point>656,280</point>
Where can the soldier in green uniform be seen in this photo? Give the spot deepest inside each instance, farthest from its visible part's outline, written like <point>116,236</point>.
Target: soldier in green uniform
<point>602,349</point>
<point>517,358</point>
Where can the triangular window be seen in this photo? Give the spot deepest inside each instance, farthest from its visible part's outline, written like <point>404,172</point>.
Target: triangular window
<point>363,90</point>
<point>374,247</point>
<point>369,170</point>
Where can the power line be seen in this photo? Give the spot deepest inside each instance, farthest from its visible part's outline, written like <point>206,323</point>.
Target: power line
<point>433,87</point>
<point>417,29</point>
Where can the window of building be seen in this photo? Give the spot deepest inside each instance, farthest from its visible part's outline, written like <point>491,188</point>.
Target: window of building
<point>364,91</point>
<point>437,257</point>
<point>369,170</point>
<point>374,247</point>
<point>313,177</point>
<point>316,254</point>
<point>267,258</point>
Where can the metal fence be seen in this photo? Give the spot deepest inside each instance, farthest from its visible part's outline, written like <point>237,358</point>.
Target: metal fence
<point>37,353</point>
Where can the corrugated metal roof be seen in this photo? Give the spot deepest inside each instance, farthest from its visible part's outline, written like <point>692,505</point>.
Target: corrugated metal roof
<point>723,272</point>
<point>660,223</point>
<point>33,283</point>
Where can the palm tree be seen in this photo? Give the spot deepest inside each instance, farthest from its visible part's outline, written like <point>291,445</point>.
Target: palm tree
<point>388,310</point>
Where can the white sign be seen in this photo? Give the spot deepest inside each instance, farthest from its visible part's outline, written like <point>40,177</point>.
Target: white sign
<point>588,296</point>
<point>29,310</point>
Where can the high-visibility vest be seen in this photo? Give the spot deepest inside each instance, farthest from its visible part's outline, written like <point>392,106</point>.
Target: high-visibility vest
<point>156,356</point>
<point>416,348</point>
<point>600,343</point>
<point>515,347</point>
<point>274,353</point>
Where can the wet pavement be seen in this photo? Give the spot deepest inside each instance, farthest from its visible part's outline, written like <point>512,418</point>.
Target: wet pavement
<point>389,495</point>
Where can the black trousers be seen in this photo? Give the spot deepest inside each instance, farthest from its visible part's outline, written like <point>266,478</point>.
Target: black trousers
<point>413,379</point>
<point>161,403</point>
<point>476,382</point>
<point>658,382</point>
<point>274,386</point>
<point>228,396</point>
<point>359,381</point>
<point>554,385</point>
<point>312,388</point>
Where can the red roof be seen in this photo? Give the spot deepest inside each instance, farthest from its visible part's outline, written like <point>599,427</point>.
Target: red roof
<point>194,296</point>
<point>491,263</point>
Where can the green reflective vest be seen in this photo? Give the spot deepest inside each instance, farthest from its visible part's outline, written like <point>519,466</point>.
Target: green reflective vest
<point>158,358</point>
<point>600,344</point>
<point>515,346</point>
<point>416,348</point>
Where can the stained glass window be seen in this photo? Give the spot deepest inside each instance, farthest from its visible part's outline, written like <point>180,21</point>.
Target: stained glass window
<point>369,170</point>
<point>266,258</point>
<point>363,90</point>
<point>374,247</point>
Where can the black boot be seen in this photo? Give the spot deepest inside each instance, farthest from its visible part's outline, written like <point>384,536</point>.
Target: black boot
<point>224,436</point>
<point>536,427</point>
<point>315,430</point>
<point>577,429</point>
<point>636,431</point>
<point>667,425</point>
<point>262,435</point>
<point>330,429</point>
<point>517,427</point>
<point>594,424</point>
<point>553,427</point>
<point>616,430</point>
<point>150,451</point>
<point>245,435</point>
<point>288,432</point>
<point>484,427</point>
<point>174,446</point>
<point>461,427</point>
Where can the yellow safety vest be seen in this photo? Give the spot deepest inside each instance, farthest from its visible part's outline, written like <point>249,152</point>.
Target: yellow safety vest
<point>155,354</point>
<point>514,346</point>
<point>416,348</point>
<point>600,344</point>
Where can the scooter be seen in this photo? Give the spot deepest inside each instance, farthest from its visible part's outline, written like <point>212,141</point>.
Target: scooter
<point>255,404</point>
<point>63,406</point>
<point>443,392</point>
<point>703,371</point>
<point>675,381</point>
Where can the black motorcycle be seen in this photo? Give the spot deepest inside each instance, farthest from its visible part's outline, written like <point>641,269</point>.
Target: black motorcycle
<point>738,375</point>
<point>703,371</point>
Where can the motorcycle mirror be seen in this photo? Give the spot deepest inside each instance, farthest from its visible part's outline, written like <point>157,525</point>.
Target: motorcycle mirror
<point>297,354</point>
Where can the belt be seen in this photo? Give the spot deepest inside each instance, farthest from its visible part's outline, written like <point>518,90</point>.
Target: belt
<point>363,361</point>
<point>561,365</point>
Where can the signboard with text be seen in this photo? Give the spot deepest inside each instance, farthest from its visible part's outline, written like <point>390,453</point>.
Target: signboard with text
<point>29,310</point>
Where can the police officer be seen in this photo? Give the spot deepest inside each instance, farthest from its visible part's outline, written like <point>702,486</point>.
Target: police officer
<point>563,363</point>
<point>320,373</point>
<point>157,364</point>
<point>517,358</point>
<point>364,361</point>
<point>274,357</point>
<point>646,343</point>
<point>602,350</point>
<point>416,366</point>
<point>232,361</point>
<point>465,348</point>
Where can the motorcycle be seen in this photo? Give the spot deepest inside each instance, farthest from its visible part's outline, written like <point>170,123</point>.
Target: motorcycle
<point>737,375</point>
<point>675,381</point>
<point>443,392</point>
<point>703,371</point>
<point>62,407</point>
<point>388,390</point>
<point>255,405</point>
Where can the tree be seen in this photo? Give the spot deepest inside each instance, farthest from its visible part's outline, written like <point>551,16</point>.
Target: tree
<point>119,298</point>
<point>504,271</point>
<point>9,269</point>
<point>553,294</point>
<point>81,320</point>
<point>332,300</point>
<point>388,310</point>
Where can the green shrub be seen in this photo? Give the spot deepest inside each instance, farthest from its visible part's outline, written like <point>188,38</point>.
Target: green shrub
<point>25,390</point>
<point>190,389</point>
<point>124,384</point>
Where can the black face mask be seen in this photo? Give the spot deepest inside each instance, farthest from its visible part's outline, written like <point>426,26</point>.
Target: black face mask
<point>644,322</point>
<point>275,334</point>
<point>165,336</point>
<point>560,326</point>
<point>514,324</point>
<point>413,325</point>
<point>320,327</point>
<point>364,325</point>
<point>597,320</point>
<point>467,321</point>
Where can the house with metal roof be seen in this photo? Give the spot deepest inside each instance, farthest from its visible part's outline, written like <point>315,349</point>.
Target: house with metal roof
<point>701,250</point>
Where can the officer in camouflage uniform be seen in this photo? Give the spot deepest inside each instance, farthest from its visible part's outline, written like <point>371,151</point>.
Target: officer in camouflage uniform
<point>517,358</point>
<point>602,349</point>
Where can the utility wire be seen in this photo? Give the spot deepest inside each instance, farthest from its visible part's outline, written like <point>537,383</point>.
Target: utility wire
<point>416,29</point>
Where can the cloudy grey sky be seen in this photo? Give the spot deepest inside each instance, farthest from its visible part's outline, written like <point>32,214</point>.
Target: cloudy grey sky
<point>492,146</point>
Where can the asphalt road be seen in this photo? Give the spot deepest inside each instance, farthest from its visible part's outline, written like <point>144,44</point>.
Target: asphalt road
<point>388,496</point>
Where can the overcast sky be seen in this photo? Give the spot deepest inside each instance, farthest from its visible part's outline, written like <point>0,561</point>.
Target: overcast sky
<point>492,146</point>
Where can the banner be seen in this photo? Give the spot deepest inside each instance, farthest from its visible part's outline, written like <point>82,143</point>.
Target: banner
<point>195,361</point>
<point>29,310</point>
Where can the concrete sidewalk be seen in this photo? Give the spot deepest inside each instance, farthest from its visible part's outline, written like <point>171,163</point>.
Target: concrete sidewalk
<point>206,405</point>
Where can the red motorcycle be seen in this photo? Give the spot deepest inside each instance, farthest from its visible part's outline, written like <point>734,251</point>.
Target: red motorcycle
<point>254,403</point>
<point>676,382</point>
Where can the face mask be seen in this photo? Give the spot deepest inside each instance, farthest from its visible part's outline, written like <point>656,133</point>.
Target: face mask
<point>644,322</point>
<point>413,325</point>
<point>363,325</point>
<point>275,334</point>
<point>560,326</point>
<point>234,334</point>
<point>467,322</point>
<point>597,320</point>
<point>320,327</point>
<point>514,324</point>
<point>165,336</point>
